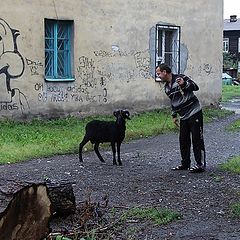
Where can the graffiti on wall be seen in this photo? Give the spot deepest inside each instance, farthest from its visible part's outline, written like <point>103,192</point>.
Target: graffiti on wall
<point>86,72</point>
<point>93,75</point>
<point>12,67</point>
<point>205,69</point>
<point>142,64</point>
<point>91,89</point>
<point>123,72</point>
<point>72,93</point>
<point>116,53</point>
<point>35,67</point>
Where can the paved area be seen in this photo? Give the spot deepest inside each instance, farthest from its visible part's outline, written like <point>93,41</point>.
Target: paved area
<point>233,105</point>
<point>145,179</point>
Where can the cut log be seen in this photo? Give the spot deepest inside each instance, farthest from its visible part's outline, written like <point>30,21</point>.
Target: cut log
<point>60,193</point>
<point>30,207</point>
<point>27,215</point>
<point>62,198</point>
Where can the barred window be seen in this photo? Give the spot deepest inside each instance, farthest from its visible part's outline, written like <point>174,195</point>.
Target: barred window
<point>168,46</point>
<point>58,50</point>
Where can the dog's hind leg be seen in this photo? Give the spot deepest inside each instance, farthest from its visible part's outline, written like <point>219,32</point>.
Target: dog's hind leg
<point>84,141</point>
<point>97,152</point>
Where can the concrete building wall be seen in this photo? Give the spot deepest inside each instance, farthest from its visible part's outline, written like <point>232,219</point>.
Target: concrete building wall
<point>113,55</point>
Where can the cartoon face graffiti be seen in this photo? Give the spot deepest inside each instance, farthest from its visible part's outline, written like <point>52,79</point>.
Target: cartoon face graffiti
<point>11,61</point>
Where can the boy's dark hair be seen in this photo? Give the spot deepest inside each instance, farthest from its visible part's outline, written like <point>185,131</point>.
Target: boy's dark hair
<point>165,67</point>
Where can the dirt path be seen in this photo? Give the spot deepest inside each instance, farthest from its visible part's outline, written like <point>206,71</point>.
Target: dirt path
<point>145,179</point>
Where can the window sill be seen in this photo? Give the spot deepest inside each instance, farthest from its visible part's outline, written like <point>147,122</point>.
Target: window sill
<point>59,79</point>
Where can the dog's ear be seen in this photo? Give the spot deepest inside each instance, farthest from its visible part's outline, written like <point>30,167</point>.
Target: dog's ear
<point>126,113</point>
<point>115,113</point>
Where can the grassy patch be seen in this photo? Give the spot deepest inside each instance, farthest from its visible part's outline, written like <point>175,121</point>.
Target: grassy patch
<point>230,92</point>
<point>149,124</point>
<point>211,113</point>
<point>157,215</point>
<point>232,165</point>
<point>235,126</point>
<point>235,210</point>
<point>21,141</point>
<point>216,178</point>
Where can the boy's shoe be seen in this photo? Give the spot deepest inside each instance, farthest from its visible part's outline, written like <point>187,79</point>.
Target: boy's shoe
<point>197,169</point>
<point>180,167</point>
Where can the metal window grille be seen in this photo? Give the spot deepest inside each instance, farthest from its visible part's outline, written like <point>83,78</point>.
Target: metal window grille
<point>58,56</point>
<point>168,46</point>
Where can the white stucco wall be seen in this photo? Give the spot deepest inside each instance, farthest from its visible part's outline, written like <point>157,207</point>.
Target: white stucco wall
<point>112,60</point>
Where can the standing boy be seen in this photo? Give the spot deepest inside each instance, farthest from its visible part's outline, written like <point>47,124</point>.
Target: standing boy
<point>179,88</point>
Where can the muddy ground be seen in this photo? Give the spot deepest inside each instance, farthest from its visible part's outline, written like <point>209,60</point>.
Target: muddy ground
<point>145,179</point>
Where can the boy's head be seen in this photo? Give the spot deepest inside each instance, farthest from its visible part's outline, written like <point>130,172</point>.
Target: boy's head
<point>163,71</point>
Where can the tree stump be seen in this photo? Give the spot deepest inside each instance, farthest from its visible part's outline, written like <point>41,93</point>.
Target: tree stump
<point>62,198</point>
<point>28,213</point>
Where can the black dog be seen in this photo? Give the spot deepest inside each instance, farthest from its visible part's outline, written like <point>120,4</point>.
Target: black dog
<point>102,131</point>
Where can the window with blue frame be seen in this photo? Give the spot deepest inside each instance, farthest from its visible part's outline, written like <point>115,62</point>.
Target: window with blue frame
<point>58,50</point>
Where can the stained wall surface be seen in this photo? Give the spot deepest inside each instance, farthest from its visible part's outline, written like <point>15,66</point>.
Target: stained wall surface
<point>113,52</point>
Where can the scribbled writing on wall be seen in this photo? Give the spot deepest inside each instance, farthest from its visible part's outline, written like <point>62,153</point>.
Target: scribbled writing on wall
<point>203,69</point>
<point>143,64</point>
<point>34,66</point>
<point>71,93</point>
<point>93,77</point>
<point>140,58</point>
<point>11,67</point>
<point>91,86</point>
<point>5,106</point>
<point>118,53</point>
<point>86,71</point>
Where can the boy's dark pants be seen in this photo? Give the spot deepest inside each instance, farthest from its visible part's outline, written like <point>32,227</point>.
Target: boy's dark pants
<point>192,129</point>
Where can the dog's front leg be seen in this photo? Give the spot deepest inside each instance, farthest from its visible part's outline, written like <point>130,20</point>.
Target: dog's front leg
<point>118,152</point>
<point>114,153</point>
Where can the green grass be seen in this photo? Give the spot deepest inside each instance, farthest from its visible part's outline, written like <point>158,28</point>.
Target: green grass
<point>149,124</point>
<point>159,216</point>
<point>211,113</point>
<point>235,126</point>
<point>20,141</point>
<point>235,210</point>
<point>216,178</point>
<point>232,165</point>
<point>230,92</point>
<point>25,140</point>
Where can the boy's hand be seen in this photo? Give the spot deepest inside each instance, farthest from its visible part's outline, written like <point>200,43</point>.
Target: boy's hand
<point>180,81</point>
<point>175,121</point>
